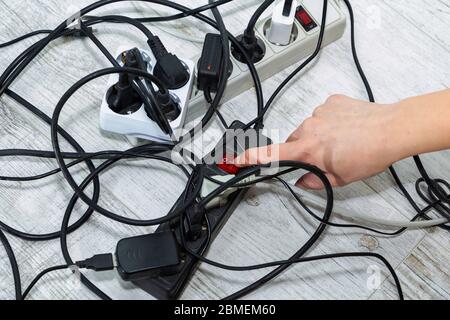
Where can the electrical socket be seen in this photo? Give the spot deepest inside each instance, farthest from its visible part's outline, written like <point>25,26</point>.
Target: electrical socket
<point>138,125</point>
<point>277,57</point>
<point>171,287</point>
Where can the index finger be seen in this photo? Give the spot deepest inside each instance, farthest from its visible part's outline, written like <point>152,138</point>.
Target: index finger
<point>268,154</point>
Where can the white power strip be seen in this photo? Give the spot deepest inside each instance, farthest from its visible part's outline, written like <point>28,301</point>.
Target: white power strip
<point>278,57</point>
<point>138,124</point>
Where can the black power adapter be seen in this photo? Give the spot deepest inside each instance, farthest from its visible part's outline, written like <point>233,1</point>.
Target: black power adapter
<point>148,257</point>
<point>210,64</point>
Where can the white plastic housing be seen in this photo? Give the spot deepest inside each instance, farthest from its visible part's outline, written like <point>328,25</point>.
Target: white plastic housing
<point>281,26</point>
<point>138,124</point>
<point>278,57</point>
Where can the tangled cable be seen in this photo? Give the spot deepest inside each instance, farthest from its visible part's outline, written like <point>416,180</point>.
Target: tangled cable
<point>437,195</point>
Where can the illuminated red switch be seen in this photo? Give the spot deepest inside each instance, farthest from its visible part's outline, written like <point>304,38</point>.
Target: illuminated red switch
<point>228,166</point>
<point>305,19</point>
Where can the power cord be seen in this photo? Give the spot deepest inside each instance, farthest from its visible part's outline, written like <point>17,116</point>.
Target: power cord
<point>436,195</point>
<point>433,185</point>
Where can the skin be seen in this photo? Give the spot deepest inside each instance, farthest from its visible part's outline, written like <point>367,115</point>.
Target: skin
<point>351,140</point>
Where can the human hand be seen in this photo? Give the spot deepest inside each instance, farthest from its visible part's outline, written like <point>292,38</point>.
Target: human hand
<point>348,139</point>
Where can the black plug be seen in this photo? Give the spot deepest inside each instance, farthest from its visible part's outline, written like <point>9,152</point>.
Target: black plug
<point>100,262</point>
<point>78,33</point>
<point>252,45</point>
<point>210,64</point>
<point>168,105</point>
<point>169,69</point>
<point>148,257</point>
<point>193,224</point>
<point>122,98</point>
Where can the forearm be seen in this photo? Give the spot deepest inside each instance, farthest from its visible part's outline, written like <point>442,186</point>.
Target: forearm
<point>421,124</point>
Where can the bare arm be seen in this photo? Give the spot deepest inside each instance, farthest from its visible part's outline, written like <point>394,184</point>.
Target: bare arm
<point>351,140</point>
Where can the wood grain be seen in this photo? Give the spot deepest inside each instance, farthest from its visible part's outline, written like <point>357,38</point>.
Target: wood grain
<point>403,55</point>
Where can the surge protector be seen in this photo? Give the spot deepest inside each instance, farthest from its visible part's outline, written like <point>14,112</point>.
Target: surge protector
<point>171,287</point>
<point>304,40</point>
<point>138,124</point>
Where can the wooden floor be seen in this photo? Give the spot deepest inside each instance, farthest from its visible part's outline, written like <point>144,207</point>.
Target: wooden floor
<point>405,47</point>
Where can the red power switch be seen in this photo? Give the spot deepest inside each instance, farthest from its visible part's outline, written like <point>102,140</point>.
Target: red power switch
<point>305,19</point>
<point>228,166</point>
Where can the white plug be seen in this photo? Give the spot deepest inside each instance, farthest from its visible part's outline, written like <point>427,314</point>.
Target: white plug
<point>283,18</point>
<point>222,199</point>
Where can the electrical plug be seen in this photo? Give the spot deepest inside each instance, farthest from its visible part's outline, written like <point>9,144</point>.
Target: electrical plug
<point>169,69</point>
<point>122,98</point>
<point>282,22</point>
<point>253,46</point>
<point>209,186</point>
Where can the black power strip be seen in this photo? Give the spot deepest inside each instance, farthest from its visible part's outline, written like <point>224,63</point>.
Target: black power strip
<point>171,287</point>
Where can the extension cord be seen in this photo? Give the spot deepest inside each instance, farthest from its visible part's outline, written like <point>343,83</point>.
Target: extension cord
<point>138,124</point>
<point>342,211</point>
<point>278,57</point>
<point>171,287</point>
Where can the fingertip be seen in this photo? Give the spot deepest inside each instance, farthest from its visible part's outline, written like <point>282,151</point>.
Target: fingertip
<point>240,161</point>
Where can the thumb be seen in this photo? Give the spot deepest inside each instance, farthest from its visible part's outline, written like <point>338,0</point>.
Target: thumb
<point>269,154</point>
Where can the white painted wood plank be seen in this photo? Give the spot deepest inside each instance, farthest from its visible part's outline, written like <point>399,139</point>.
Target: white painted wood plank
<point>257,227</point>
<point>424,274</point>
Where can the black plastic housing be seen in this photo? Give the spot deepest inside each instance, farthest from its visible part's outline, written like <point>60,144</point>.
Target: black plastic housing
<point>148,256</point>
<point>171,287</point>
<point>210,63</point>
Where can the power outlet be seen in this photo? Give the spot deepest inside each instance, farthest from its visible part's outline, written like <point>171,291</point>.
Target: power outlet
<point>171,287</point>
<point>137,124</point>
<point>303,43</point>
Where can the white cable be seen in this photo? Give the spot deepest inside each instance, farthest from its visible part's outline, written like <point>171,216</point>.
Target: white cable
<point>319,202</point>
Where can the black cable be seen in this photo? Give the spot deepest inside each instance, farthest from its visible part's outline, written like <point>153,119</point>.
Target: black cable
<point>294,260</point>
<point>77,147</point>
<point>225,64</point>
<point>431,200</point>
<point>209,99</point>
<point>392,170</point>
<point>186,13</point>
<point>254,19</point>
<point>60,159</point>
<point>435,189</point>
<point>14,266</point>
<point>26,36</point>
<point>22,61</point>
<point>296,71</point>
<point>102,155</point>
<point>40,276</point>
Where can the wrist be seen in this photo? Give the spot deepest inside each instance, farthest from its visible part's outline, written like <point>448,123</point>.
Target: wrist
<point>401,134</point>
<point>419,125</point>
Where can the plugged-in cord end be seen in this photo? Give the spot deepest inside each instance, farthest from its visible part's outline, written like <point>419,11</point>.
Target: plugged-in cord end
<point>79,33</point>
<point>169,69</point>
<point>253,47</point>
<point>100,262</point>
